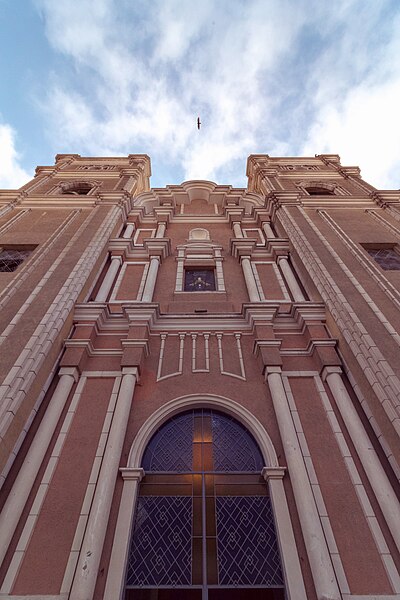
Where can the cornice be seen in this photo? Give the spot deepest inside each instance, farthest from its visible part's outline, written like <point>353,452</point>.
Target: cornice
<point>385,197</point>
<point>242,246</point>
<point>141,313</point>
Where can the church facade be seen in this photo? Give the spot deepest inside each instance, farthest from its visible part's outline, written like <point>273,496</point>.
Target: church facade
<point>199,384</point>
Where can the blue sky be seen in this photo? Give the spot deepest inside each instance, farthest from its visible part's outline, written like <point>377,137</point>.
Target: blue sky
<point>278,77</point>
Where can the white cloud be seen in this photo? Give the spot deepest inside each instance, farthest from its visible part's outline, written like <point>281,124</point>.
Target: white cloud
<point>12,175</point>
<point>270,77</point>
<point>364,132</point>
<point>360,121</point>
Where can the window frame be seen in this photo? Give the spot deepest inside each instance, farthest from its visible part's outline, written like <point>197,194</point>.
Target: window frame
<point>23,248</point>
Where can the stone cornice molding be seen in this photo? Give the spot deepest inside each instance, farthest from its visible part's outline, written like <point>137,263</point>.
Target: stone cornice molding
<point>141,313</point>
<point>160,247</point>
<point>280,198</point>
<point>385,197</point>
<point>241,247</point>
<point>329,159</point>
<point>349,171</point>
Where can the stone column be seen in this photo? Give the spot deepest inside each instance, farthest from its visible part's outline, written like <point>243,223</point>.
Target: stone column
<point>161,230</point>
<point>268,230</point>
<point>115,583</point>
<point>291,281</point>
<point>252,290</point>
<point>151,279</point>
<point>108,280</point>
<point>317,549</point>
<point>89,558</point>
<point>130,228</point>
<point>290,559</point>
<point>15,503</point>
<point>237,230</point>
<point>377,477</point>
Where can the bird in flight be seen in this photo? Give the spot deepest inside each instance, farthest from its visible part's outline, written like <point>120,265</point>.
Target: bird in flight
<point>198,122</point>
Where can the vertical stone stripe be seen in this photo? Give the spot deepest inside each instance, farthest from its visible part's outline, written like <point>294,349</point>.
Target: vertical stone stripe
<point>21,376</point>
<point>317,550</point>
<point>20,491</point>
<point>89,559</point>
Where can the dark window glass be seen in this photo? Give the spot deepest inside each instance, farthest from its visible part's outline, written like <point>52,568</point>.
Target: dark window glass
<point>171,447</point>
<point>162,545</point>
<point>77,189</point>
<point>387,258</point>
<point>319,191</point>
<point>245,559</point>
<point>11,259</point>
<point>204,518</point>
<point>199,280</point>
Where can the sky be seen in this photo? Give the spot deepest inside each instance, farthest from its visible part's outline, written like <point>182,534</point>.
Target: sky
<point>277,77</point>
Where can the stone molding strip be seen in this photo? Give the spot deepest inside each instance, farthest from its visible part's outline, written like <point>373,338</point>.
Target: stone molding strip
<point>44,280</point>
<point>368,413</point>
<point>376,215</point>
<point>32,264</point>
<point>28,422</point>
<point>391,292</point>
<point>377,370</point>
<point>41,494</point>
<point>379,314</point>
<point>91,486</point>
<point>23,373</point>
<point>316,490</point>
<point>6,226</point>
<point>368,511</point>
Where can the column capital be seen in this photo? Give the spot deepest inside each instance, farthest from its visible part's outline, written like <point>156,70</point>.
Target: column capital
<point>273,473</point>
<point>117,257</point>
<point>130,371</point>
<point>72,371</point>
<point>132,473</point>
<point>326,371</point>
<point>270,370</point>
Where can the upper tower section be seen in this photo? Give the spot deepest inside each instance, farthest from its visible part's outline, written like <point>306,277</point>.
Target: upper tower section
<point>73,175</point>
<point>315,179</point>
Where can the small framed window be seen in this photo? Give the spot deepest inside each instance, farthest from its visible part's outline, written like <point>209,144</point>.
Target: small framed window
<point>77,188</point>
<point>387,258</point>
<point>319,191</point>
<point>11,258</point>
<point>199,280</point>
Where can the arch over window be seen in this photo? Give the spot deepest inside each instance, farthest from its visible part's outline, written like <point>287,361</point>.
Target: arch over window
<point>319,191</point>
<point>199,233</point>
<point>76,188</point>
<point>233,447</point>
<point>204,525</point>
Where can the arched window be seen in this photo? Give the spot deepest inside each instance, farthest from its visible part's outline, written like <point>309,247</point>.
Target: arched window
<point>204,527</point>
<point>319,191</point>
<point>76,188</point>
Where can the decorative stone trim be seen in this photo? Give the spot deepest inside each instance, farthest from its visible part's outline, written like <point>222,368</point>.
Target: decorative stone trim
<point>359,488</point>
<point>20,378</point>
<point>377,275</point>
<point>320,555</point>
<point>27,269</point>
<point>377,370</point>
<point>93,478</point>
<point>16,500</point>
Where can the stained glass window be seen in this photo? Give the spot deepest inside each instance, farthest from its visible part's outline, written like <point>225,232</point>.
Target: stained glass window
<point>387,258</point>
<point>204,520</point>
<point>11,259</point>
<point>199,280</point>
<point>319,191</point>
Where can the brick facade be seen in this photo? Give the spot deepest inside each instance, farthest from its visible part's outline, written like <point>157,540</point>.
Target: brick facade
<point>101,343</point>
